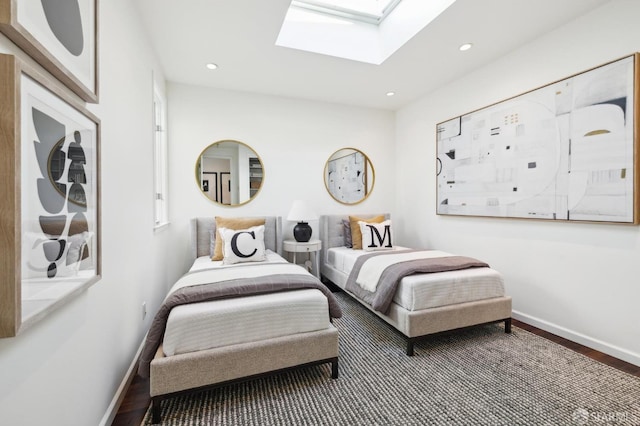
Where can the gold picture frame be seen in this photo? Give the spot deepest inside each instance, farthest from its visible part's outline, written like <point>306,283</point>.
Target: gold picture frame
<point>349,176</point>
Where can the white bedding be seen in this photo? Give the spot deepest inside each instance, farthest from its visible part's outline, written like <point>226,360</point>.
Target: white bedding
<point>371,271</point>
<point>423,291</point>
<point>204,262</point>
<point>218,323</point>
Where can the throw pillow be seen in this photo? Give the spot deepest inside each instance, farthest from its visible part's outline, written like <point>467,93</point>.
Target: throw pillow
<point>356,235</point>
<point>232,223</point>
<point>346,233</point>
<point>212,241</point>
<point>376,236</point>
<point>243,245</point>
<point>78,244</point>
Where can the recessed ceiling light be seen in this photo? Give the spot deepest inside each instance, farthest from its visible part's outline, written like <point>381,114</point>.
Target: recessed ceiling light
<point>212,66</point>
<point>465,46</point>
<point>391,93</point>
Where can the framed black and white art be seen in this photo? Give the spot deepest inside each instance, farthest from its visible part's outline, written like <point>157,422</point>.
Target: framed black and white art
<point>567,151</point>
<point>49,193</point>
<point>61,36</point>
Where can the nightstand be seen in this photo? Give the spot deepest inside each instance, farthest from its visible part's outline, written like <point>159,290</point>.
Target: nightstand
<point>311,247</point>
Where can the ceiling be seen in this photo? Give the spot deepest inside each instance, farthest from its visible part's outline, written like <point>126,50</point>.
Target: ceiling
<point>240,35</point>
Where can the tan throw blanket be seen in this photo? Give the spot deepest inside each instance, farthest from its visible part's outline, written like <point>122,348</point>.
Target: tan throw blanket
<point>380,295</point>
<point>202,286</point>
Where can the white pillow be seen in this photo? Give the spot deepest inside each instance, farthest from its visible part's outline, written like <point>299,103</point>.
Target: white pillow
<point>36,263</point>
<point>243,245</point>
<point>376,236</point>
<point>33,259</point>
<point>77,244</point>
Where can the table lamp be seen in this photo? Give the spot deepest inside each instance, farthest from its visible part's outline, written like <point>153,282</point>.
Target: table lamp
<point>301,213</point>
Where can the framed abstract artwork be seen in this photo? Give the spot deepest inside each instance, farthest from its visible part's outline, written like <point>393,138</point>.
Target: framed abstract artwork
<point>61,36</point>
<point>567,151</point>
<point>49,193</point>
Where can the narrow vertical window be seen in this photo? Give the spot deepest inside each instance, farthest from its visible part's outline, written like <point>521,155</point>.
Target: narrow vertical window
<point>160,160</point>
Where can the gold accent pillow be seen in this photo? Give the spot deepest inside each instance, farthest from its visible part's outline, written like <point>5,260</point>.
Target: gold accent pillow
<point>235,223</point>
<point>356,235</point>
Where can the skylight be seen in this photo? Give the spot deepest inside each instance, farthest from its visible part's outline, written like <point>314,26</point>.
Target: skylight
<point>361,30</point>
<point>369,11</point>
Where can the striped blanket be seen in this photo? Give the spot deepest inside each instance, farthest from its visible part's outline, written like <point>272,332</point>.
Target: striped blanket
<point>212,284</point>
<point>375,277</point>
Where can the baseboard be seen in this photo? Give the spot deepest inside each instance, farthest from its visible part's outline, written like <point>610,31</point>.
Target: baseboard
<point>112,410</point>
<point>614,351</point>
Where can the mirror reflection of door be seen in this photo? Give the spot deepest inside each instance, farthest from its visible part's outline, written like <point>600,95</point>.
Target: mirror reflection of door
<point>214,167</point>
<point>210,185</point>
<point>225,188</point>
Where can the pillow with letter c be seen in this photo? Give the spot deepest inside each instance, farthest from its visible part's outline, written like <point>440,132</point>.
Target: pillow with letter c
<point>231,223</point>
<point>243,245</point>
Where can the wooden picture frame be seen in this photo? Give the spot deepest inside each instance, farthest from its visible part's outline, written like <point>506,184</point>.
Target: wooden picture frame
<point>567,151</point>
<point>49,196</point>
<point>62,36</point>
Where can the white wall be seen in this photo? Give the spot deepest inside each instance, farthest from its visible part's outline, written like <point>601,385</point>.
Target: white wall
<point>66,369</point>
<point>579,281</point>
<point>293,138</point>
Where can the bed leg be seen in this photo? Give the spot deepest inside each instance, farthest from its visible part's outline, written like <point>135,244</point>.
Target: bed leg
<point>409,347</point>
<point>334,369</point>
<point>155,410</point>
<point>507,325</point>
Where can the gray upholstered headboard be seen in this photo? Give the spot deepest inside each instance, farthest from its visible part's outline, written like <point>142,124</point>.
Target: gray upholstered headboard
<point>331,231</point>
<point>202,227</point>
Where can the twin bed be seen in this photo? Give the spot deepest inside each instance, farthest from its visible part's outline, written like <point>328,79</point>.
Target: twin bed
<point>244,317</point>
<point>423,303</point>
<point>256,318</point>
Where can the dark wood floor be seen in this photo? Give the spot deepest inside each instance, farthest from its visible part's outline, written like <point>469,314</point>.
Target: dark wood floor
<point>137,400</point>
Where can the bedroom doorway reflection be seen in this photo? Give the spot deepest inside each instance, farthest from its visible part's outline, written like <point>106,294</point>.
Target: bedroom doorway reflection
<point>225,188</point>
<point>216,178</point>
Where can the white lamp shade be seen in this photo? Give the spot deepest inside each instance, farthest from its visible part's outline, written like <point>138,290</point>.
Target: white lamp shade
<point>301,212</point>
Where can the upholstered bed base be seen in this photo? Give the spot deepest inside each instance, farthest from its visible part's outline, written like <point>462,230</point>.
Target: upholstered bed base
<point>415,325</point>
<point>196,371</point>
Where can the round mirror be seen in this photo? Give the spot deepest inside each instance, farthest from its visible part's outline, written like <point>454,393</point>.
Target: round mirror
<point>229,172</point>
<point>349,176</point>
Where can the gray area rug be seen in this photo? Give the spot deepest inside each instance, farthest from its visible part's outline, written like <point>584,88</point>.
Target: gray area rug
<point>479,376</point>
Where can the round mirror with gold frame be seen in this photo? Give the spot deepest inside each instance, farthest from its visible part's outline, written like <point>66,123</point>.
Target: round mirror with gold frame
<point>229,172</point>
<point>349,176</point>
